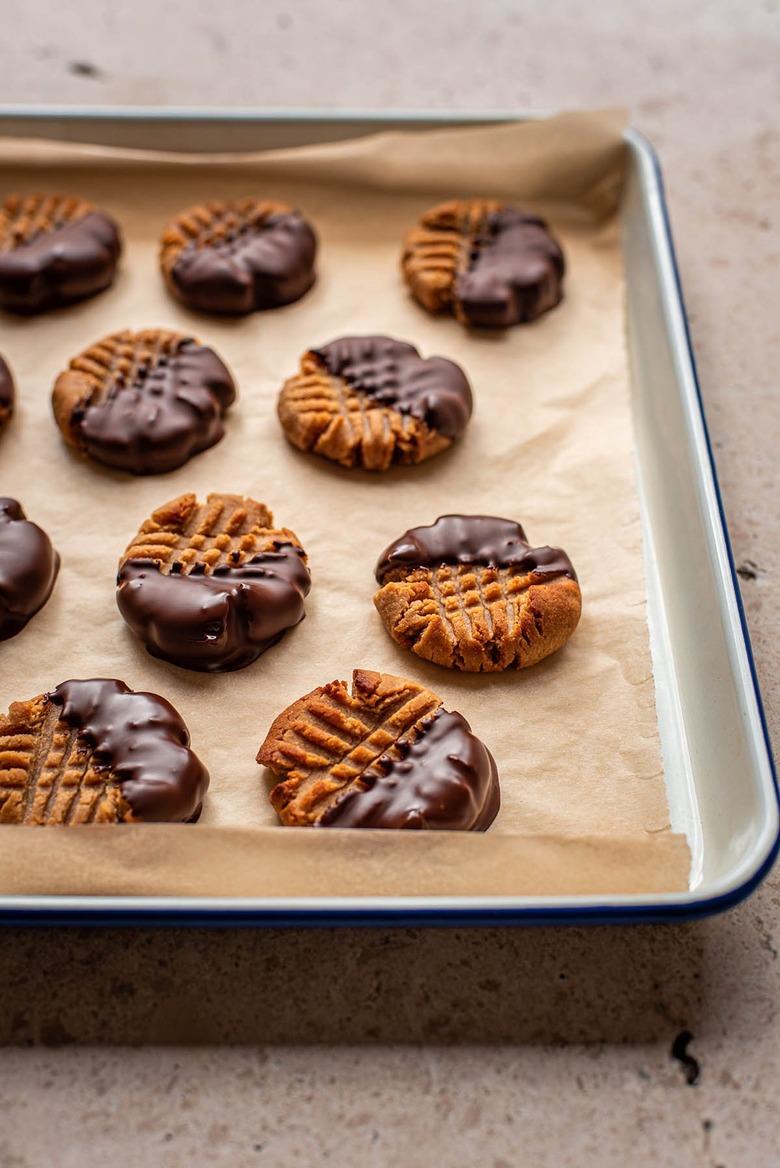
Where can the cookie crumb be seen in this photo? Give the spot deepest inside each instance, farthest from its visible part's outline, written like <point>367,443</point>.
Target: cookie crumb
<point>84,69</point>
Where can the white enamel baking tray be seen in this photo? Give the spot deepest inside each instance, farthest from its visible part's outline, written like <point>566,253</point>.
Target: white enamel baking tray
<point>719,772</point>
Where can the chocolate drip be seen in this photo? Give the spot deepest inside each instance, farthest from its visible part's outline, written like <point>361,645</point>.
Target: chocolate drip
<point>445,779</point>
<point>61,265</point>
<point>217,622</point>
<point>260,266</point>
<point>171,411</point>
<point>470,539</point>
<point>142,740</point>
<point>28,568</point>
<point>7,391</point>
<point>513,273</point>
<point>392,372</point>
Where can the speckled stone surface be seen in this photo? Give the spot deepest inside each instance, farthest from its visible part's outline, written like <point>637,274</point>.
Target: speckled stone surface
<point>450,1048</point>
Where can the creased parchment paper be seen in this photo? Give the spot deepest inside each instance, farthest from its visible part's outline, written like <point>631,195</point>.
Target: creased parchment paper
<point>583,801</point>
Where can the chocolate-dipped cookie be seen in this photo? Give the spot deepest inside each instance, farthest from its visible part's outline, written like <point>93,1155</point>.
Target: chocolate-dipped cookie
<point>28,568</point>
<point>143,402</point>
<point>371,402</point>
<point>54,250</point>
<point>210,586</point>
<point>97,752</point>
<point>7,392</point>
<point>469,592</point>
<point>386,755</point>
<point>238,257</point>
<point>489,263</point>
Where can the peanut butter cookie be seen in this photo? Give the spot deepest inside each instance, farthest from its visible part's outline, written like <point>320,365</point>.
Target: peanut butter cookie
<point>143,402</point>
<point>238,257</point>
<point>385,755</point>
<point>373,401</point>
<point>96,752</point>
<point>211,586</point>
<point>54,249</point>
<point>470,593</point>
<point>28,568</point>
<point>487,262</point>
<point>7,392</point>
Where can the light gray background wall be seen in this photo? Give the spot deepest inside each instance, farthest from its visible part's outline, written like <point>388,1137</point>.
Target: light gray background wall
<point>452,1048</point>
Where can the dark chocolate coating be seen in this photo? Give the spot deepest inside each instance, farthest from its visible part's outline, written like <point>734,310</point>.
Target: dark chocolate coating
<point>28,568</point>
<point>470,539</point>
<point>169,413</point>
<point>216,622</point>
<point>60,266</point>
<point>143,741</point>
<point>7,390</point>
<point>446,779</point>
<point>263,266</point>
<point>514,272</point>
<point>392,372</point>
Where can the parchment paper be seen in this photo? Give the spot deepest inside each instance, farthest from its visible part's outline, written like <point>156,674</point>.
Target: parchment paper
<point>583,800</point>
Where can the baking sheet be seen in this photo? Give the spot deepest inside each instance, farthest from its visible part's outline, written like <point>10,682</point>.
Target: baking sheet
<point>584,808</point>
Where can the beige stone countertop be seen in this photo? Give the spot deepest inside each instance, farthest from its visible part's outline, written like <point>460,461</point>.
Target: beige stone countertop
<point>451,1048</point>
